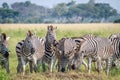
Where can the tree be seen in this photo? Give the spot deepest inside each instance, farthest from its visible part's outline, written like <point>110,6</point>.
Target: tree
<point>27,3</point>
<point>91,2</point>
<point>71,3</point>
<point>5,5</point>
<point>60,10</point>
<point>117,21</point>
<point>8,15</point>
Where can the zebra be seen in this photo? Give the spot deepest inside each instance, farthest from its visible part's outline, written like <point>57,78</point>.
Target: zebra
<point>30,50</point>
<point>115,39</point>
<point>76,41</point>
<point>79,41</point>
<point>97,49</point>
<point>4,52</point>
<point>50,45</point>
<point>66,48</point>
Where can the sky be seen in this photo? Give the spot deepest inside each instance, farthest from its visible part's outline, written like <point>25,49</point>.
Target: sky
<point>50,3</point>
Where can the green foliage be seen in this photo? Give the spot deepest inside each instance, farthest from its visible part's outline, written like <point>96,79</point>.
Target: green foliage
<point>8,15</point>
<point>4,76</point>
<point>117,21</point>
<point>27,12</point>
<point>30,13</point>
<point>5,5</point>
<point>27,3</point>
<point>60,10</point>
<point>115,72</point>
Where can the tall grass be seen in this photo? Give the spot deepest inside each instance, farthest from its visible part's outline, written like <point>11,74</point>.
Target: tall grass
<point>17,32</point>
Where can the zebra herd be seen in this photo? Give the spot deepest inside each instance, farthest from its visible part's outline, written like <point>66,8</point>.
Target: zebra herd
<point>66,54</point>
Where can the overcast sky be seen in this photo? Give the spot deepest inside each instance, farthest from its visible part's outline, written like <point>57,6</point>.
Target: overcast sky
<point>50,3</point>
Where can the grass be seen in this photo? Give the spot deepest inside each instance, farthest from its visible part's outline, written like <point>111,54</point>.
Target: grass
<point>17,32</point>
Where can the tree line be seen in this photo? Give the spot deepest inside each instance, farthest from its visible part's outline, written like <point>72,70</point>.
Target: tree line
<point>71,12</point>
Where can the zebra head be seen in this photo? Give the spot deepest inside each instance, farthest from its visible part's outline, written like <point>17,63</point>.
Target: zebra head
<point>4,52</point>
<point>114,36</point>
<point>66,48</point>
<point>51,35</point>
<point>27,47</point>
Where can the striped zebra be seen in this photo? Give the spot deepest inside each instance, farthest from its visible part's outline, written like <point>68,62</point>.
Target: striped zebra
<point>79,41</point>
<point>115,39</point>
<point>4,52</point>
<point>66,48</point>
<point>74,60</point>
<point>97,49</point>
<point>50,44</point>
<point>30,50</point>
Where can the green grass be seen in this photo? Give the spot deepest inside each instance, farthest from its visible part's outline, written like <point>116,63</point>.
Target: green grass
<point>18,34</point>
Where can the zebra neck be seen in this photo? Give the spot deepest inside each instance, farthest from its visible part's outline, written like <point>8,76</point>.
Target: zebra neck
<point>116,45</point>
<point>48,47</point>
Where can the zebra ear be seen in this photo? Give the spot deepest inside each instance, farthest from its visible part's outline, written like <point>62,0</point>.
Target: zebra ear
<point>29,34</point>
<point>55,27</point>
<point>7,38</point>
<point>48,27</point>
<point>3,37</point>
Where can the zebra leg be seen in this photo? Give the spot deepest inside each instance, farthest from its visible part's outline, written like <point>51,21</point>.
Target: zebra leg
<point>69,66</point>
<point>54,61</point>
<point>99,65</point>
<point>81,59</point>
<point>19,66</point>
<point>51,65</point>
<point>31,66</point>
<point>7,65</point>
<point>23,65</point>
<point>35,65</point>
<point>89,64</point>
<point>85,64</point>
<point>95,64</point>
<point>58,66</point>
<point>108,64</point>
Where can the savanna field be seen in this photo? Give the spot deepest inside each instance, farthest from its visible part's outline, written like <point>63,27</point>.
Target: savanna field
<point>18,32</point>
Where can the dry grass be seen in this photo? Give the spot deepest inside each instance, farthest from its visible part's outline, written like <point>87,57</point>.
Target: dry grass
<point>91,27</point>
